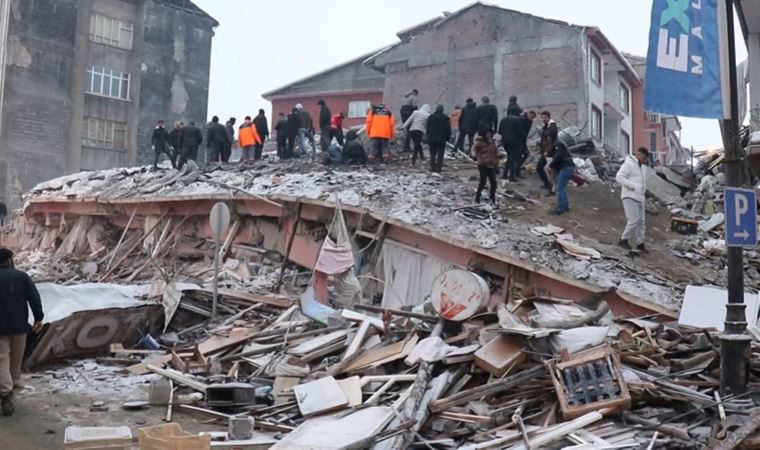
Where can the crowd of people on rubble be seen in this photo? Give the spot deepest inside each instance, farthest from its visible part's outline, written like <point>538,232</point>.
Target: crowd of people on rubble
<point>478,125</point>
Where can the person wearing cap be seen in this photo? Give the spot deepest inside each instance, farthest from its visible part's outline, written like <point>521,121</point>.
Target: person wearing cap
<point>632,177</point>
<point>18,294</point>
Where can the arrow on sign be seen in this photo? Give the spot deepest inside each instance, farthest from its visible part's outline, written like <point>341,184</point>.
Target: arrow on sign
<point>743,235</point>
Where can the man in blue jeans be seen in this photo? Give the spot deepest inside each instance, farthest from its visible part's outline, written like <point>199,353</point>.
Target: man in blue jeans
<point>562,164</point>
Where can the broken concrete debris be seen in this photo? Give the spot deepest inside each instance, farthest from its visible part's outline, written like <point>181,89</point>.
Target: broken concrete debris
<point>377,319</point>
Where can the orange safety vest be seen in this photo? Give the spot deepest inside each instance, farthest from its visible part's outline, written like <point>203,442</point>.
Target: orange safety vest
<point>380,124</point>
<point>248,136</point>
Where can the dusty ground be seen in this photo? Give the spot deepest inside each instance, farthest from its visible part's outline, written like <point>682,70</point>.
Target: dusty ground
<point>58,397</point>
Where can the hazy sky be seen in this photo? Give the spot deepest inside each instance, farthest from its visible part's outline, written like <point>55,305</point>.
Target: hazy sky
<point>261,45</point>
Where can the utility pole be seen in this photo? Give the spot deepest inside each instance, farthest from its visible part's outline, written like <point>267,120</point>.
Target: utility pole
<point>734,341</point>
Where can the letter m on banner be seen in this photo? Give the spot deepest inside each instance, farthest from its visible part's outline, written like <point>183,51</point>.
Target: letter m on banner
<point>687,62</point>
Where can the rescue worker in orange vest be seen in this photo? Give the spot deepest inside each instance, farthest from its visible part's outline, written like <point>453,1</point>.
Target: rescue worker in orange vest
<point>380,129</point>
<point>248,138</point>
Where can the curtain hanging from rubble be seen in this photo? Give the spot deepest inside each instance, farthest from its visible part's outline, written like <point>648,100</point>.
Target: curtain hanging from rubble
<point>335,263</point>
<point>409,275</point>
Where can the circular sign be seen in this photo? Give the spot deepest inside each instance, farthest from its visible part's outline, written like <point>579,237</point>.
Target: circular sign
<point>219,219</point>
<point>458,294</point>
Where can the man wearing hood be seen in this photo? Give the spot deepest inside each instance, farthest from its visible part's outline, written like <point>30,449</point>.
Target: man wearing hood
<point>438,134</point>
<point>467,125</point>
<point>632,177</point>
<point>408,106</point>
<point>549,134</point>
<point>379,127</point>
<point>415,126</point>
<point>512,131</point>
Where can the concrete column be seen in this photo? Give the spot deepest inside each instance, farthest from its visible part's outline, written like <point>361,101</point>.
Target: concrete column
<point>753,47</point>
<point>78,80</point>
<point>138,57</point>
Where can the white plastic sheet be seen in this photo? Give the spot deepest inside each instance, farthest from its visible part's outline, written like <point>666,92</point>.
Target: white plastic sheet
<point>409,275</point>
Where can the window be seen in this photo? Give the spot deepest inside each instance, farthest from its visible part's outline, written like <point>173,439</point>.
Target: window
<point>596,68</point>
<point>105,30</point>
<point>625,98</point>
<point>108,82</point>
<point>653,117</point>
<point>358,109</point>
<point>596,123</point>
<point>625,142</point>
<point>653,142</point>
<point>104,133</point>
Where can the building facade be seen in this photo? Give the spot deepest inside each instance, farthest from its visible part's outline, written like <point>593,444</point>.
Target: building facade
<point>84,82</point>
<point>350,88</point>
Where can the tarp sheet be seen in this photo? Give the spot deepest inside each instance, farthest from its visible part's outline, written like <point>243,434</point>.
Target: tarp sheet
<point>409,275</point>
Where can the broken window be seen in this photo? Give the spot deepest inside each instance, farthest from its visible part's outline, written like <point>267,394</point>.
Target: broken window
<point>596,68</point>
<point>108,82</point>
<point>596,123</point>
<point>358,108</point>
<point>105,30</point>
<point>104,133</point>
<point>625,98</point>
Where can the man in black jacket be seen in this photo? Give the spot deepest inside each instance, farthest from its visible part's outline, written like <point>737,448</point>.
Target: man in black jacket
<point>486,116</point>
<point>324,125</point>
<point>262,129</point>
<point>217,138</point>
<point>190,139</point>
<point>291,131</point>
<point>438,134</point>
<point>175,139</point>
<point>549,134</point>
<point>408,106</point>
<point>467,125</point>
<point>280,128</point>
<point>160,144</point>
<point>227,152</point>
<point>18,294</point>
<point>512,131</point>
<point>563,167</point>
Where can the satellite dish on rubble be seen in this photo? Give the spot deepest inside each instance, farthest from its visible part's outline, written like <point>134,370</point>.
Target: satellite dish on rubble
<point>458,294</point>
<point>219,219</point>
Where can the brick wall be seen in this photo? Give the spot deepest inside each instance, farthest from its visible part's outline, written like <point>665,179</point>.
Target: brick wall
<point>336,102</point>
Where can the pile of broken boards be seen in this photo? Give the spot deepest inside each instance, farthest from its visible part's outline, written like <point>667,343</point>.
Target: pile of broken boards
<point>540,372</point>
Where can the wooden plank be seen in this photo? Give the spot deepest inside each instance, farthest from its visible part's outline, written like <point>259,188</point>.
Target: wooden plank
<point>274,300</point>
<point>499,355</point>
<point>319,396</point>
<point>352,389</point>
<point>236,336</point>
<point>313,344</point>
<point>289,247</point>
<point>357,341</point>
<point>121,239</point>
<point>178,378</point>
<point>282,387</point>
<point>231,235</point>
<point>384,355</point>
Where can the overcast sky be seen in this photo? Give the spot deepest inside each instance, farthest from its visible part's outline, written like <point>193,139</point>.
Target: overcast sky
<point>264,44</point>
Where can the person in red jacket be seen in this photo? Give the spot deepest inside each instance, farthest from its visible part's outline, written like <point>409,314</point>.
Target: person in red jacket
<point>380,130</point>
<point>336,127</point>
<point>248,138</point>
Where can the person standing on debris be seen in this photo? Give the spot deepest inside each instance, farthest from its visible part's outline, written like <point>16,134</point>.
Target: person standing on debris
<point>18,294</point>
<point>467,126</point>
<point>549,134</point>
<point>528,119</point>
<point>336,127</point>
<point>380,130</point>
<point>325,117</point>
<point>513,105</point>
<point>262,129</point>
<point>217,139</point>
<point>454,123</point>
<point>408,106</point>
<point>305,129</point>
<point>512,131</point>
<point>227,152</point>
<point>486,116</point>
<point>632,177</point>
<point>438,134</point>
<point>280,129</point>
<point>415,126</point>
<point>487,157</point>
<point>563,166</point>
<point>248,138</point>
<point>175,140</point>
<point>291,131</point>
<point>160,144</point>
<point>190,139</point>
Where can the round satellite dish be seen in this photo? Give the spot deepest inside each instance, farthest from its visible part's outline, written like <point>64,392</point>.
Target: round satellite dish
<point>458,294</point>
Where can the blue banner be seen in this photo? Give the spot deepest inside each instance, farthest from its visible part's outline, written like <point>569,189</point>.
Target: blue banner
<point>683,76</point>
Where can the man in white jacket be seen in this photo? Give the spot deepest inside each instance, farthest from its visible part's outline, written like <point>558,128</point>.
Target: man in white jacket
<point>416,125</point>
<point>632,178</point>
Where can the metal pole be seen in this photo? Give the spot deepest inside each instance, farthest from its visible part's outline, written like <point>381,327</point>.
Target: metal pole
<point>216,275</point>
<point>734,342</point>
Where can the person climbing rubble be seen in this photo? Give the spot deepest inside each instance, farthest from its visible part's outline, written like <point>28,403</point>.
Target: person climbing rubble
<point>380,130</point>
<point>563,167</point>
<point>18,294</point>
<point>415,126</point>
<point>487,157</point>
<point>408,106</point>
<point>632,178</point>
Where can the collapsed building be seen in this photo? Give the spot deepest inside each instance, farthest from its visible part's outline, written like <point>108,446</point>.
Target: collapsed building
<point>332,290</point>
